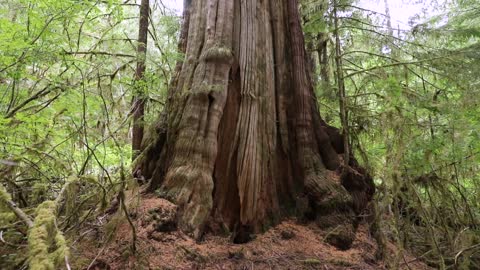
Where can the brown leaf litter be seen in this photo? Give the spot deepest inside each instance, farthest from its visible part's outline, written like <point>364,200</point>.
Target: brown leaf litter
<point>288,245</point>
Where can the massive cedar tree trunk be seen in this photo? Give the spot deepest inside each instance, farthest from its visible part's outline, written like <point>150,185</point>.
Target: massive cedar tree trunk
<point>241,144</point>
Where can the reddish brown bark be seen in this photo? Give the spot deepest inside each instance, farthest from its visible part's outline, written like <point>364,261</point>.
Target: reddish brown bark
<point>241,144</point>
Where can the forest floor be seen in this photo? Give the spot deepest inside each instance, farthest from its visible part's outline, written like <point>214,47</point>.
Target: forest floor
<point>288,245</point>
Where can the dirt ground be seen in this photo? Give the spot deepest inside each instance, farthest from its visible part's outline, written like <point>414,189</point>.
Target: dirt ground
<point>288,245</point>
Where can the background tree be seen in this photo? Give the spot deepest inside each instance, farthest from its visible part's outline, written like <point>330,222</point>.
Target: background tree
<point>139,99</point>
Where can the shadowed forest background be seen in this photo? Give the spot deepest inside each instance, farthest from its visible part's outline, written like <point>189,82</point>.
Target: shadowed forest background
<point>84,86</point>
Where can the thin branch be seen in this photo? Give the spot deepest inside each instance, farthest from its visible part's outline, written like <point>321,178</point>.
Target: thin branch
<point>101,53</point>
<point>394,64</point>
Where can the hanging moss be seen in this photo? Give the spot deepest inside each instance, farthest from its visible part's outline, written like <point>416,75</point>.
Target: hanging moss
<point>71,196</point>
<point>40,191</point>
<point>101,191</point>
<point>46,244</point>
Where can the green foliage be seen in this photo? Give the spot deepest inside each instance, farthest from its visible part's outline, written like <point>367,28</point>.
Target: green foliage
<point>413,119</point>
<point>66,84</point>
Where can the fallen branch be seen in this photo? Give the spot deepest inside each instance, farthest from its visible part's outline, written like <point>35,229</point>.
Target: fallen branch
<point>463,250</point>
<point>7,243</point>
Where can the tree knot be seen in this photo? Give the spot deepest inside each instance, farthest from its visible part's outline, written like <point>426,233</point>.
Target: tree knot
<point>219,54</point>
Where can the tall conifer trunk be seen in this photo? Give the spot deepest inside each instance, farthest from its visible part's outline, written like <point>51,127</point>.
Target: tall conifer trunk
<point>139,96</point>
<point>241,144</point>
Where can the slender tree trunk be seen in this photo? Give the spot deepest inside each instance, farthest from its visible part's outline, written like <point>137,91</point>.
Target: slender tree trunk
<point>139,96</point>
<point>341,88</point>
<point>241,144</point>
<point>322,50</point>
<point>312,65</point>
<point>389,19</point>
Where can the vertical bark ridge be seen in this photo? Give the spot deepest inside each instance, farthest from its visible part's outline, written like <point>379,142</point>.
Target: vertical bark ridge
<point>281,71</point>
<point>157,144</point>
<point>256,129</point>
<point>287,175</point>
<point>303,96</point>
<point>226,195</point>
<point>333,202</point>
<point>204,86</point>
<point>246,134</point>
